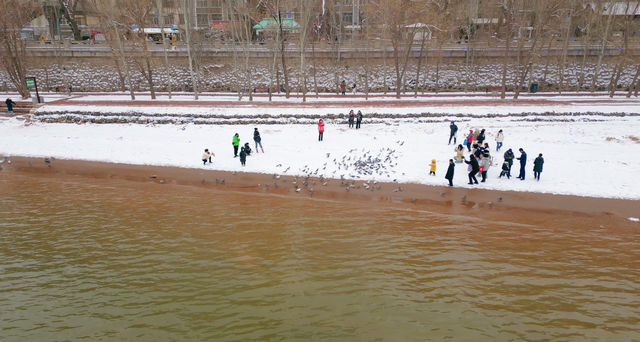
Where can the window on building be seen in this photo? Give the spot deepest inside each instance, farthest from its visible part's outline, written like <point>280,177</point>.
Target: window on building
<point>347,18</point>
<point>203,19</point>
<point>216,16</point>
<point>168,19</point>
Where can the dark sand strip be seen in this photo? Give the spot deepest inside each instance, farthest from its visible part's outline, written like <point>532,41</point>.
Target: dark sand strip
<point>511,206</point>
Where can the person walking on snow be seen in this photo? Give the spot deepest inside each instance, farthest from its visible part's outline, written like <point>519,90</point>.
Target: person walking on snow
<point>257,139</point>
<point>499,140</point>
<point>432,168</point>
<point>453,133</point>
<point>473,169</point>
<point>235,143</point>
<point>358,120</point>
<point>469,140</point>
<point>537,166</point>
<point>352,118</point>
<point>206,156</point>
<point>450,171</point>
<point>508,157</point>
<point>320,129</point>
<point>10,105</point>
<point>243,157</point>
<point>523,163</point>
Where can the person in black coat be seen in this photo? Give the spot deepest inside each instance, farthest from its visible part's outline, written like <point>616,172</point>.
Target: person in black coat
<point>247,149</point>
<point>537,167</point>
<point>243,157</point>
<point>480,137</point>
<point>10,105</point>
<point>453,129</point>
<point>358,120</point>
<point>509,157</point>
<point>450,171</point>
<point>523,163</point>
<point>474,169</point>
<point>257,139</point>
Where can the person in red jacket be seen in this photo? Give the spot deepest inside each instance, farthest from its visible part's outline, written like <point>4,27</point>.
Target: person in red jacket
<point>320,129</point>
<point>469,140</point>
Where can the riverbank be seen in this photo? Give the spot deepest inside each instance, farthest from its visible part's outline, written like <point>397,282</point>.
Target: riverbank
<point>511,206</point>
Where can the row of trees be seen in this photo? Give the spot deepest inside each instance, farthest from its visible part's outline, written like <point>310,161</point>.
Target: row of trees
<point>526,30</point>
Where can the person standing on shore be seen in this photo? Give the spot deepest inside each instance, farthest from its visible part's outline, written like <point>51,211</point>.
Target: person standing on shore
<point>499,140</point>
<point>473,169</point>
<point>10,105</point>
<point>247,149</point>
<point>453,131</point>
<point>257,139</point>
<point>243,157</point>
<point>480,137</point>
<point>459,153</point>
<point>450,171</point>
<point>206,156</point>
<point>432,168</point>
<point>508,157</point>
<point>505,170</point>
<point>469,140</point>
<point>343,87</point>
<point>485,163</point>
<point>352,118</point>
<point>320,130</point>
<point>358,120</point>
<point>523,163</point>
<point>235,143</point>
<point>537,167</point>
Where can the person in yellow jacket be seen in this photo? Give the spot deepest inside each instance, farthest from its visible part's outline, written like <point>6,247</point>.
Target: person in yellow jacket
<point>432,168</point>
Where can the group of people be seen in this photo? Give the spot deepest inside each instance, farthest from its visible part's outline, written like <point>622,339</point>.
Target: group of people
<point>245,150</point>
<point>480,159</point>
<point>343,87</point>
<point>355,118</point>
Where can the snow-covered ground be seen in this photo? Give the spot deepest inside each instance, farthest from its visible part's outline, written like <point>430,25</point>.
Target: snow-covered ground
<point>584,155</point>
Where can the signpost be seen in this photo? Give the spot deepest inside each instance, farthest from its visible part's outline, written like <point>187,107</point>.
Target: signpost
<point>33,83</point>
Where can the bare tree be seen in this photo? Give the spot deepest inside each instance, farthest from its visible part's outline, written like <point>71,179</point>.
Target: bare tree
<point>603,44</point>
<point>69,9</point>
<point>399,17</point>
<point>186,10</point>
<point>138,15</point>
<point>109,15</point>
<point>160,5</point>
<point>14,15</point>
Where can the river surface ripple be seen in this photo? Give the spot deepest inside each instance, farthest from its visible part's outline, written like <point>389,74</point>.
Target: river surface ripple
<point>115,260</point>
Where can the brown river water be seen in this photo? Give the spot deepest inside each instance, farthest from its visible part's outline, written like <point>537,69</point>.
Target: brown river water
<point>99,259</point>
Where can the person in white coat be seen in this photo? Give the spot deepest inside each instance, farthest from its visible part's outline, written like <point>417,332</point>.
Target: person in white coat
<point>499,140</point>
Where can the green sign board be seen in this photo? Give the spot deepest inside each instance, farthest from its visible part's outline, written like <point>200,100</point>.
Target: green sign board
<point>30,83</point>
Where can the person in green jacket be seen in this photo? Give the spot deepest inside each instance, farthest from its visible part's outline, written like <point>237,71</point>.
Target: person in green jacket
<point>236,143</point>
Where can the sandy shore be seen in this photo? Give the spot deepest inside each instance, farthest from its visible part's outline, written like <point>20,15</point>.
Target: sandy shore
<point>522,207</point>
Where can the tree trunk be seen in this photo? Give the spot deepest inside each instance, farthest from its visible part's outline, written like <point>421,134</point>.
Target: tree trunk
<point>124,62</point>
<point>601,54</point>
<point>187,24</point>
<point>634,82</point>
<point>164,46</point>
<point>419,65</point>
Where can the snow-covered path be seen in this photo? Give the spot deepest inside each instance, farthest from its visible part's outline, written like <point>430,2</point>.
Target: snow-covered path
<point>593,156</point>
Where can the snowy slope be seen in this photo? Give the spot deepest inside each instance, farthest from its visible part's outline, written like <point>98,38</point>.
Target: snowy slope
<point>591,156</point>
